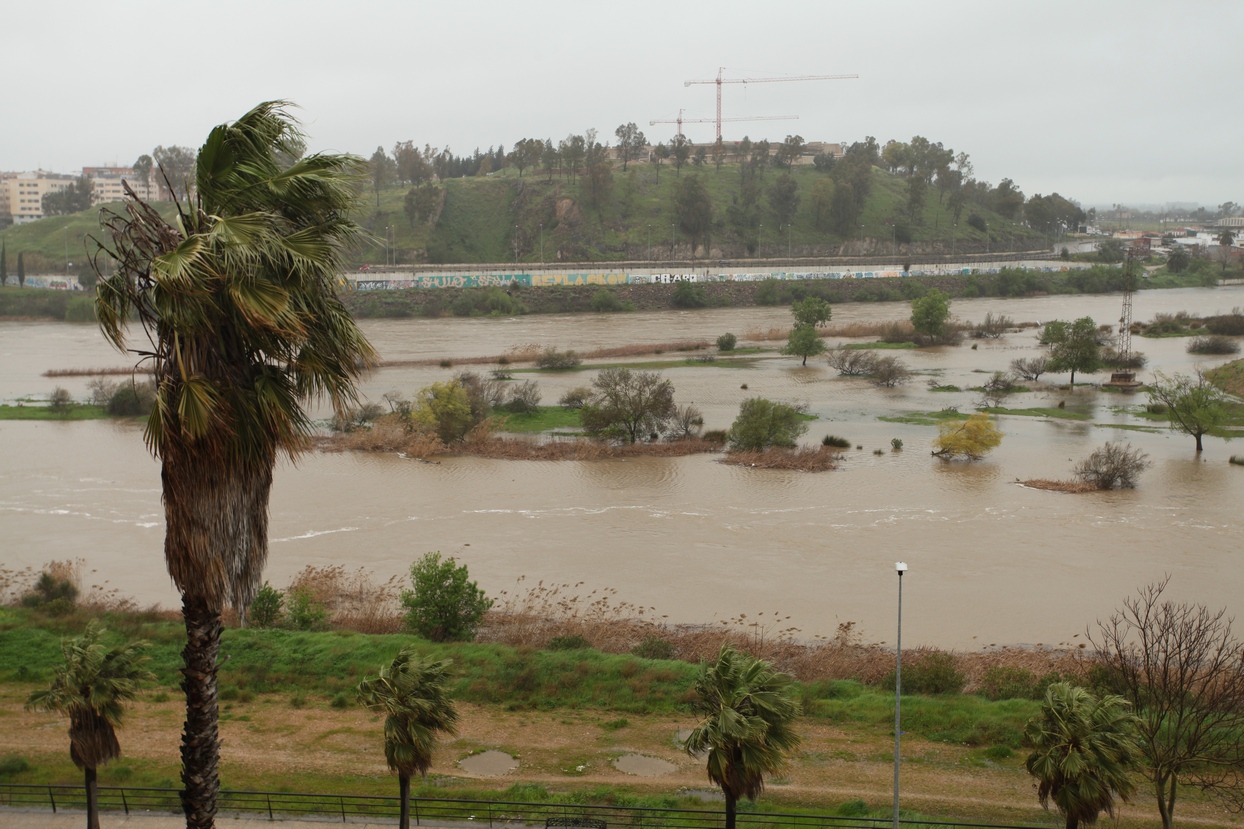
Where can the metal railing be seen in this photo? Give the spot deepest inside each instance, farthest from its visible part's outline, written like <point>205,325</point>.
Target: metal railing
<point>439,812</point>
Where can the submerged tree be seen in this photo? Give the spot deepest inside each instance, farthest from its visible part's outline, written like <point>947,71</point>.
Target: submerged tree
<point>238,300</point>
<point>413,695</point>
<point>747,717</point>
<point>1193,405</point>
<point>972,438</point>
<point>91,688</point>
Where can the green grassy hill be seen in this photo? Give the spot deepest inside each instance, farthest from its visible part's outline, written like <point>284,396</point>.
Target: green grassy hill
<point>480,219</point>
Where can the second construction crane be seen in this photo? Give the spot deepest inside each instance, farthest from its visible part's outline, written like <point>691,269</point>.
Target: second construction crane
<point>720,79</point>
<point>680,120</point>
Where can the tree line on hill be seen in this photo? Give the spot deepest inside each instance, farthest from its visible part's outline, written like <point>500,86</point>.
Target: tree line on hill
<point>836,200</point>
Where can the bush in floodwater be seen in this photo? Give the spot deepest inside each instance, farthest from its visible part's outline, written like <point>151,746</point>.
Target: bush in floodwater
<point>1213,344</point>
<point>131,399</point>
<point>555,360</point>
<point>727,342</point>
<point>836,442</point>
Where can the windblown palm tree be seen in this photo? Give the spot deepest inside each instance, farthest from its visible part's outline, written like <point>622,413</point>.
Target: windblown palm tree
<point>413,695</point>
<point>746,726</point>
<point>1083,751</point>
<point>91,688</point>
<point>237,300</point>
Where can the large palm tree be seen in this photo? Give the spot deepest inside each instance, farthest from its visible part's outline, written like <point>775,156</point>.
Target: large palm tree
<point>91,688</point>
<point>413,695</point>
<point>1083,751</point>
<point>236,297</point>
<point>746,724</point>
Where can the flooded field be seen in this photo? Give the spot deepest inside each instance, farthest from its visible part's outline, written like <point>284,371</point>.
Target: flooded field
<point>698,541</point>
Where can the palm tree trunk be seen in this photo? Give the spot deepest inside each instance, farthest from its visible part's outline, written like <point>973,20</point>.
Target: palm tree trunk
<point>403,785</point>
<point>731,802</point>
<point>92,799</point>
<point>200,741</point>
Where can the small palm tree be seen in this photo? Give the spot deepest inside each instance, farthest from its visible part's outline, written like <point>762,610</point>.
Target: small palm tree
<point>91,688</point>
<point>1083,751</point>
<point>746,724</point>
<point>413,695</point>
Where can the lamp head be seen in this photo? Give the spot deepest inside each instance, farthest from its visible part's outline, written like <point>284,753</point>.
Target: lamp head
<point>900,567</point>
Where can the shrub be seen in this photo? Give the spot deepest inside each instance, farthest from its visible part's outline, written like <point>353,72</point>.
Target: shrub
<point>1005,682</point>
<point>930,673</point>
<point>576,398</point>
<point>1113,465</point>
<point>100,391</point>
<point>852,362</point>
<point>1237,460</point>
<point>555,360</point>
<point>1229,324</point>
<point>763,423</point>
<point>340,700</point>
<point>49,590</point>
<point>654,647</point>
<point>889,371</point>
<point>627,404</point>
<point>524,398</point>
<point>993,327</point>
<point>266,608</point>
<point>131,399</point>
<point>718,436</point>
<point>605,301</point>
<point>60,400</point>
<point>572,642</point>
<point>304,610</point>
<point>836,442</point>
<point>1213,344</point>
<point>686,423</point>
<point>727,342</point>
<point>688,295</point>
<point>445,408</point>
<point>492,301</point>
<point>444,604</point>
<point>13,765</point>
<point>896,444</point>
<point>972,438</point>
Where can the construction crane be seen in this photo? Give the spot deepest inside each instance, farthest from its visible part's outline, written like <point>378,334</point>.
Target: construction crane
<point>719,80</point>
<point>680,120</point>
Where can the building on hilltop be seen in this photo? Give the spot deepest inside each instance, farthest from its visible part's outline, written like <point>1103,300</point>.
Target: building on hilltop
<point>25,192</point>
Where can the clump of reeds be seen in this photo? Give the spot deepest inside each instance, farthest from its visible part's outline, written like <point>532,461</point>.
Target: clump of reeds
<point>1059,486</point>
<point>578,449</point>
<point>91,372</point>
<point>802,459</point>
<point>352,599</point>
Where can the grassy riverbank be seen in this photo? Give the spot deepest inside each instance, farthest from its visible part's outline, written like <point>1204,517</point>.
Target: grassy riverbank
<point>289,723</point>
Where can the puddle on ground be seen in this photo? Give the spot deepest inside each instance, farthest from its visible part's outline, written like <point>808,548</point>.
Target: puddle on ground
<point>643,766</point>
<point>680,738</point>
<point>491,763</point>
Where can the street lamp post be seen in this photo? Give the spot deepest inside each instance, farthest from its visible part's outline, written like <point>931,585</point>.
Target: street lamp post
<point>649,242</point>
<point>901,568</point>
<point>515,244</point>
<point>760,235</point>
<point>386,246</point>
<point>671,241</point>
<point>789,231</point>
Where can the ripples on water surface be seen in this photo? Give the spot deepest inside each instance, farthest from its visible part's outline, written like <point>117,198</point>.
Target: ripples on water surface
<point>990,561</point>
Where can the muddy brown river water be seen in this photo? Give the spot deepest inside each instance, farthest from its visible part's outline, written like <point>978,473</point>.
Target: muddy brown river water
<point>698,541</point>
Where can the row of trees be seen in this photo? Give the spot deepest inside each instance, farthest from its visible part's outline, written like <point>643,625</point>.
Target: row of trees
<point>4,267</point>
<point>1168,703</point>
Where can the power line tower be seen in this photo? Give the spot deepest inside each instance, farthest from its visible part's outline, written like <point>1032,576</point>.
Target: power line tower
<point>721,79</point>
<point>1123,377</point>
<point>680,120</point>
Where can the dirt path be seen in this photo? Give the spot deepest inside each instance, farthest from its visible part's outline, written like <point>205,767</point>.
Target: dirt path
<point>267,743</point>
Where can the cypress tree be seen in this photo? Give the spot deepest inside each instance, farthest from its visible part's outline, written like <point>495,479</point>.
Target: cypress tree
<point>21,271</point>
<point>4,267</point>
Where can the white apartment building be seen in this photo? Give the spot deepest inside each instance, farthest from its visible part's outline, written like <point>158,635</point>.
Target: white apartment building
<point>25,192</point>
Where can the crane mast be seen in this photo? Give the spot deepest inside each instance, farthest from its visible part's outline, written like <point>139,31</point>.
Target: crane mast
<point>721,79</point>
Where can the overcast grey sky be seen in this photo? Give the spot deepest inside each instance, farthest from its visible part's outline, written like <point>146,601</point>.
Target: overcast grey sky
<point>1102,101</point>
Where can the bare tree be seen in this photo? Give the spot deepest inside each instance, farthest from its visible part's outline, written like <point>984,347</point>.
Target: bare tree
<point>1113,465</point>
<point>1183,672</point>
<point>1030,368</point>
<point>852,362</point>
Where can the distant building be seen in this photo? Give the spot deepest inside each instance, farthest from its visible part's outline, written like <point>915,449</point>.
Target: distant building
<point>25,192</point>
<point>107,183</point>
